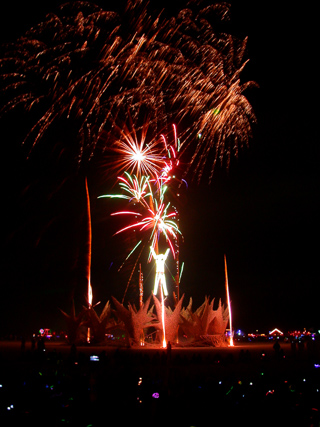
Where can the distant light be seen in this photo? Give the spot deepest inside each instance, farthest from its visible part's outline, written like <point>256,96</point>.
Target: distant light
<point>155,395</point>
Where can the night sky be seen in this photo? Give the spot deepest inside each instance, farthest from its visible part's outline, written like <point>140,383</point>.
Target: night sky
<point>261,212</point>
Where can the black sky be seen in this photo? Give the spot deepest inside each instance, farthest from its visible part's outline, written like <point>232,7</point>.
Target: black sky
<point>262,212</point>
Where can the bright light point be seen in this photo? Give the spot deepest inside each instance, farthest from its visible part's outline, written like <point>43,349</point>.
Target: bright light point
<point>138,157</point>
<point>155,395</point>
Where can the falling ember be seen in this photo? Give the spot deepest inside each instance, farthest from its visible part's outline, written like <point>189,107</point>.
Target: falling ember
<point>228,300</point>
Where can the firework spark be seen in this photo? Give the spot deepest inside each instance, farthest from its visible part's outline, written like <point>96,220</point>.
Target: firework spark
<point>136,155</point>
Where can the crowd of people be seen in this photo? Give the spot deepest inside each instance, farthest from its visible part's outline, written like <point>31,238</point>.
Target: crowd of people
<point>51,387</point>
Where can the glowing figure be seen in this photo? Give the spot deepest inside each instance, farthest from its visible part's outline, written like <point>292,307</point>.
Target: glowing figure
<point>160,276</point>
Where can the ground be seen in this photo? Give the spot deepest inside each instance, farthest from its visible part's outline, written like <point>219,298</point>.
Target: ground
<point>187,387</point>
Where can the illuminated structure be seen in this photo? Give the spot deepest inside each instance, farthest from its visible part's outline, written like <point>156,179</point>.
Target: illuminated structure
<point>205,325</point>
<point>160,276</point>
<point>170,319</point>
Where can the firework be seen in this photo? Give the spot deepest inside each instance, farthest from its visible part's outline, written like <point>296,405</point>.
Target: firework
<point>156,215</point>
<point>211,95</point>
<point>134,188</point>
<point>82,67</point>
<point>138,155</point>
<point>88,70</point>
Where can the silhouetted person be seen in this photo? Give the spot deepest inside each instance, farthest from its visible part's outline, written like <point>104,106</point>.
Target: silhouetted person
<point>41,346</point>
<point>276,347</point>
<point>23,344</point>
<point>73,353</point>
<point>241,356</point>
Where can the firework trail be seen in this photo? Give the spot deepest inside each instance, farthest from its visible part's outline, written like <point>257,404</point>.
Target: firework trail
<point>231,344</point>
<point>90,293</point>
<point>89,70</point>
